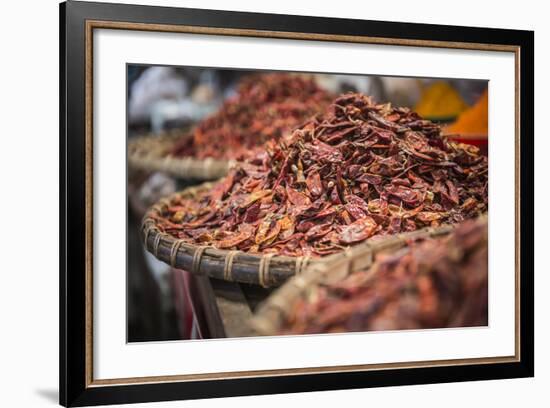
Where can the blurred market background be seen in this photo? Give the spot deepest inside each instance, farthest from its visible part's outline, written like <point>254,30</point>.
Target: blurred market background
<point>166,306</point>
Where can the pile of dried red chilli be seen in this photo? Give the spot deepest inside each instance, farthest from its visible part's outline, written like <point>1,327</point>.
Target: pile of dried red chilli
<point>359,170</point>
<point>265,107</point>
<point>433,284</point>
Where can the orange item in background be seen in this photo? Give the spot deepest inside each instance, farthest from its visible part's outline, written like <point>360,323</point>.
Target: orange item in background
<point>440,100</point>
<point>474,122</point>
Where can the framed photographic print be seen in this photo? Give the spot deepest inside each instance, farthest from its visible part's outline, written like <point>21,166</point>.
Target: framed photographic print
<point>256,204</point>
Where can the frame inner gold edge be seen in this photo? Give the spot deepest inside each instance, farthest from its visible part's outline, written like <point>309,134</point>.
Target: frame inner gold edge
<point>91,24</point>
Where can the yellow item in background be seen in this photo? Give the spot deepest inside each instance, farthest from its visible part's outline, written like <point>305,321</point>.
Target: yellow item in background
<point>473,122</point>
<point>440,100</point>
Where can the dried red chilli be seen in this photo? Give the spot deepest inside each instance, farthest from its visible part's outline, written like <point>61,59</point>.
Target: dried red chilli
<point>265,107</point>
<point>357,171</point>
<point>431,284</point>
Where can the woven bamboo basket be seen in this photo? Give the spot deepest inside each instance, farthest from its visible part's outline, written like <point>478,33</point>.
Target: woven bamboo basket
<point>152,153</point>
<point>267,270</point>
<point>272,314</point>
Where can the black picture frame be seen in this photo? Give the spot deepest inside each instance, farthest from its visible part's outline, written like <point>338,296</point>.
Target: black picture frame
<point>75,388</point>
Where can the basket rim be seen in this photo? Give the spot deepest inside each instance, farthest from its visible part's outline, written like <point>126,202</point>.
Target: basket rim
<point>186,167</point>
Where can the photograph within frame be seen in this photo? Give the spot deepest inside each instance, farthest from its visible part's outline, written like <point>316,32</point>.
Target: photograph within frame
<point>222,105</point>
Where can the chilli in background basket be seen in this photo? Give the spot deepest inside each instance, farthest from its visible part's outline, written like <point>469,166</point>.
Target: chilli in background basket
<point>266,106</point>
